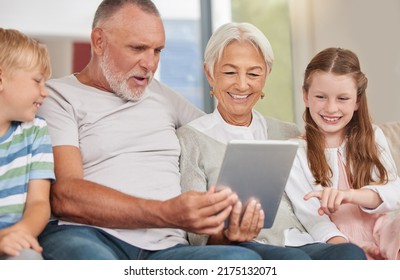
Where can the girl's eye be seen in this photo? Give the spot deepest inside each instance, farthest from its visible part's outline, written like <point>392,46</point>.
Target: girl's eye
<point>343,98</point>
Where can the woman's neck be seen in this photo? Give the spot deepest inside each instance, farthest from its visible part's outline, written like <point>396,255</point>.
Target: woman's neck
<point>244,120</point>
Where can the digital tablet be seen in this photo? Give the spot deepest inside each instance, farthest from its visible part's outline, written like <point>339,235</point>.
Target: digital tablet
<point>258,169</point>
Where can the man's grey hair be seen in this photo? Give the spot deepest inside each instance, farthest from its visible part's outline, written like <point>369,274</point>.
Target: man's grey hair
<point>108,8</point>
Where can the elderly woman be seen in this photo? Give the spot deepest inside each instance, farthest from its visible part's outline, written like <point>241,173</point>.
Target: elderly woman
<point>238,60</point>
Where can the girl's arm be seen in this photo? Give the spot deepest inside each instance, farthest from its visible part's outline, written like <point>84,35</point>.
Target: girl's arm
<point>300,183</point>
<point>331,199</point>
<point>390,192</point>
<point>371,198</point>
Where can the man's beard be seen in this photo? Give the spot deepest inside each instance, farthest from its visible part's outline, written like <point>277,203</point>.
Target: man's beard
<point>119,82</point>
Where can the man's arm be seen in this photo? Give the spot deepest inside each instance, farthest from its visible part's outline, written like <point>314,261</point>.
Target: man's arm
<point>78,200</point>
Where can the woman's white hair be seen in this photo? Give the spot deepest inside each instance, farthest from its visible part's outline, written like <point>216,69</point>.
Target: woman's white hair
<point>241,32</point>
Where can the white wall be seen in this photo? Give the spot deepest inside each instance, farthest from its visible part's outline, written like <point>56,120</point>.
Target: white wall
<point>369,28</point>
<point>54,22</point>
<point>59,23</point>
<point>70,18</point>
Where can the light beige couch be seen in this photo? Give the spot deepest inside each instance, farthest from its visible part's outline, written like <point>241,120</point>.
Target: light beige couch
<point>392,133</point>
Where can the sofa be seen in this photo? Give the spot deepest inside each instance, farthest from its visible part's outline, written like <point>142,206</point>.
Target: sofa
<point>392,133</point>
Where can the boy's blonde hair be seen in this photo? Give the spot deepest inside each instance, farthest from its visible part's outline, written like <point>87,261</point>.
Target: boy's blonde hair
<point>18,51</point>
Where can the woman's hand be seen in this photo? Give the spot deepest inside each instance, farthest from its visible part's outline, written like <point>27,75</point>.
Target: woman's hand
<point>247,227</point>
<point>242,227</point>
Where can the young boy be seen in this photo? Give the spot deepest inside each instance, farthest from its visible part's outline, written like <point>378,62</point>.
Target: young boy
<point>26,158</point>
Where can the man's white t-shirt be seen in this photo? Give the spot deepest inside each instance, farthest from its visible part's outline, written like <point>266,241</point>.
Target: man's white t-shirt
<point>128,146</point>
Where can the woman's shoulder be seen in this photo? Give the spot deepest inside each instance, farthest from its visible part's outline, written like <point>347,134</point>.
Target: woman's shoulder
<point>189,134</point>
<point>278,129</point>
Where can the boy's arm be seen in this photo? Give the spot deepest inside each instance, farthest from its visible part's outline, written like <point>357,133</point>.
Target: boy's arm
<point>35,217</point>
<point>37,208</point>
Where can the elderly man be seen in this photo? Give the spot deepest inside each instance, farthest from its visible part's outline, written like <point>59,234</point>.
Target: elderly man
<point>117,193</point>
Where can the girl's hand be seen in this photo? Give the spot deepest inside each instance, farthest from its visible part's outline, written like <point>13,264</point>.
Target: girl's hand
<point>330,199</point>
<point>373,253</point>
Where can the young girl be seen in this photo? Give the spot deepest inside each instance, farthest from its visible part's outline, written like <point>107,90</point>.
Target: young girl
<point>344,181</point>
<point>26,158</point>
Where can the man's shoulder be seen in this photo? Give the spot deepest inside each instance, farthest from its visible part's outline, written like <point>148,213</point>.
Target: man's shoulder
<point>61,84</point>
<point>62,80</point>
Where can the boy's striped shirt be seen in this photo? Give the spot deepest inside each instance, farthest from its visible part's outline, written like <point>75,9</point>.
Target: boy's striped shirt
<point>25,154</point>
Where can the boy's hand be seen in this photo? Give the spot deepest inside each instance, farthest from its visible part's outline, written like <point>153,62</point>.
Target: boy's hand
<point>13,242</point>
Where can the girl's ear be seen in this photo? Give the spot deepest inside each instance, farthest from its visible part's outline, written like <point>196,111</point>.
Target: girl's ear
<point>1,80</point>
<point>357,105</point>
<point>305,97</point>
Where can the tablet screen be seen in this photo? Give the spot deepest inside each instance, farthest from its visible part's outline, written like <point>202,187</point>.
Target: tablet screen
<point>258,169</point>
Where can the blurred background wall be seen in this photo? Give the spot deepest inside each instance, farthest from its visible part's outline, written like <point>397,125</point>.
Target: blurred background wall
<point>297,29</point>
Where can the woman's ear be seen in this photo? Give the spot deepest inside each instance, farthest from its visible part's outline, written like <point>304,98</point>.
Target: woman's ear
<point>208,76</point>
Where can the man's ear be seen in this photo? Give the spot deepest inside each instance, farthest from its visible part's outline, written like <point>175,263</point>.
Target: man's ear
<point>97,37</point>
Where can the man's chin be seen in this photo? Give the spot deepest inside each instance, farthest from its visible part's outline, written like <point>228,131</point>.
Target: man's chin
<point>132,96</point>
